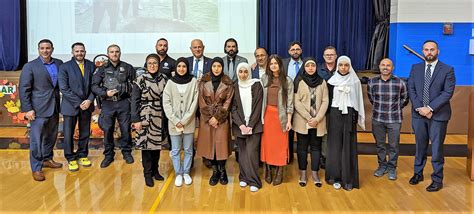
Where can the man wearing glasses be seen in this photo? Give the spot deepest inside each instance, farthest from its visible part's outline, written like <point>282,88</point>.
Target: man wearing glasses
<point>293,63</point>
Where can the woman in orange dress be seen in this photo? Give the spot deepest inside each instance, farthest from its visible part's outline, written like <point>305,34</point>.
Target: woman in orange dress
<point>277,111</point>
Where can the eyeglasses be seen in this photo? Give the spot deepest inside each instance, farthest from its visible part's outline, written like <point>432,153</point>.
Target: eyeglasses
<point>151,63</point>
<point>329,55</point>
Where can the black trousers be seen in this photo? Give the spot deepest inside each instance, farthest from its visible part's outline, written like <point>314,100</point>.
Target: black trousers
<point>312,142</point>
<point>69,124</point>
<point>291,141</point>
<point>150,159</point>
<point>119,110</point>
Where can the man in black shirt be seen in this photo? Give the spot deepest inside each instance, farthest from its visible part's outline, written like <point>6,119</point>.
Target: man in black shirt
<point>167,64</point>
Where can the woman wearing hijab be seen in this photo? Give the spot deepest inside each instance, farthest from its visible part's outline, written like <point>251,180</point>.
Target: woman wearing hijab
<point>309,119</point>
<point>277,112</point>
<point>247,125</point>
<point>215,97</point>
<point>180,100</point>
<point>347,110</point>
<point>146,117</point>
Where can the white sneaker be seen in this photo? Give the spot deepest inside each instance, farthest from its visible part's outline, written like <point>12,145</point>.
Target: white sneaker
<point>253,189</point>
<point>187,179</point>
<point>178,181</point>
<point>337,186</point>
<point>243,184</point>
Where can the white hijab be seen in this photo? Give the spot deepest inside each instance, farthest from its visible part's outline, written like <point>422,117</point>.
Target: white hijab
<point>348,91</point>
<point>245,89</point>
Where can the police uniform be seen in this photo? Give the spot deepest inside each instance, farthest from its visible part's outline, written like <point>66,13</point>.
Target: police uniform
<point>118,77</point>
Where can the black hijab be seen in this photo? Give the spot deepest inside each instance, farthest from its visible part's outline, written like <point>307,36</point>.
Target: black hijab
<point>216,80</point>
<point>311,80</point>
<point>187,77</point>
<point>155,75</point>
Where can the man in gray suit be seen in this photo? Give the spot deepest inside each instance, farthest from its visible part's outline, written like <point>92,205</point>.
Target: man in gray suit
<point>231,60</point>
<point>39,97</point>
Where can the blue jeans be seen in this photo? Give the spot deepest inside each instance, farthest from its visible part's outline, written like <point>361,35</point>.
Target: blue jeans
<point>186,141</point>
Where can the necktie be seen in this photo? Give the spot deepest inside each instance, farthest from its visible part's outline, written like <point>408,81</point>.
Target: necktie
<point>426,86</point>
<point>81,66</point>
<point>196,68</point>
<point>297,68</point>
<point>231,69</point>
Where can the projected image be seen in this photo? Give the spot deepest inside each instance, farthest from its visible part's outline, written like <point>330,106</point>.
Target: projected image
<point>146,16</point>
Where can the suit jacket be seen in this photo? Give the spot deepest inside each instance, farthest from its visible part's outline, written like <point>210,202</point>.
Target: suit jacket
<point>286,62</point>
<point>238,118</point>
<point>206,67</point>
<point>74,87</point>
<point>37,91</point>
<point>238,59</point>
<point>441,90</point>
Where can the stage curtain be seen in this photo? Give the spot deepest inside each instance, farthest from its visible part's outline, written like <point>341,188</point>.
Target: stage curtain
<point>9,34</point>
<point>379,44</point>
<point>347,25</point>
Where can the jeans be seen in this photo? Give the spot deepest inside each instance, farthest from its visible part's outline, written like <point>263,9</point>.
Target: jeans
<point>186,141</point>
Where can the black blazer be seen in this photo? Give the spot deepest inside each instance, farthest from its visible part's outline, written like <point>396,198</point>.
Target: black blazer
<point>74,87</point>
<point>238,117</point>
<point>37,91</point>
<point>206,67</point>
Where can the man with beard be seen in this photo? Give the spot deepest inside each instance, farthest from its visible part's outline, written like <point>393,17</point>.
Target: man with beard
<point>77,105</point>
<point>167,64</point>
<point>258,68</point>
<point>293,63</point>
<point>231,60</point>
<point>388,95</point>
<point>200,63</point>
<point>430,86</point>
<point>113,84</point>
<point>292,67</point>
<point>39,97</point>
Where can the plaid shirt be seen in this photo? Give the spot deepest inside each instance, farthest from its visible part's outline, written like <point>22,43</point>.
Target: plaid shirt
<point>388,98</point>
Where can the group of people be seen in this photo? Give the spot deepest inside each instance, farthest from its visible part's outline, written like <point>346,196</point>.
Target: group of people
<point>259,105</point>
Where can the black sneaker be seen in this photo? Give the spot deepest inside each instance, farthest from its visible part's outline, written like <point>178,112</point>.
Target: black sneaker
<point>128,158</point>
<point>106,162</point>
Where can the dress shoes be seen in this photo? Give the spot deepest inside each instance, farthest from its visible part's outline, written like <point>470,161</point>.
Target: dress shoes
<point>51,164</point>
<point>434,187</point>
<point>38,176</point>
<point>106,162</point>
<point>416,179</point>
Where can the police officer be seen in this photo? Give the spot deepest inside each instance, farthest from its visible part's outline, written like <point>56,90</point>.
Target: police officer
<point>167,64</point>
<point>112,83</point>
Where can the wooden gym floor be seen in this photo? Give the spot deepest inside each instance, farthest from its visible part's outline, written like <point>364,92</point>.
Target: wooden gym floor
<point>120,188</point>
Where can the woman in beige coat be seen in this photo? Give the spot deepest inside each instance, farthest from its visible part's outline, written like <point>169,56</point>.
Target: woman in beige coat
<point>215,98</point>
<point>309,121</point>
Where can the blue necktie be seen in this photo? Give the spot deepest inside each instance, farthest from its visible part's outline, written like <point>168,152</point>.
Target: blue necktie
<point>426,86</point>
<point>297,68</point>
<point>196,68</point>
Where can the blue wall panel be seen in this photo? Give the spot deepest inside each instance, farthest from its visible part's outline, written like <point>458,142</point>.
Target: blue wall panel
<point>454,49</point>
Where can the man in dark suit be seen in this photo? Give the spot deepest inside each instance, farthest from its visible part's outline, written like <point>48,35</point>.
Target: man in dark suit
<point>294,62</point>
<point>39,97</point>
<point>430,87</point>
<point>259,67</point>
<point>77,105</point>
<point>200,63</point>
<point>292,66</point>
<point>231,60</point>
